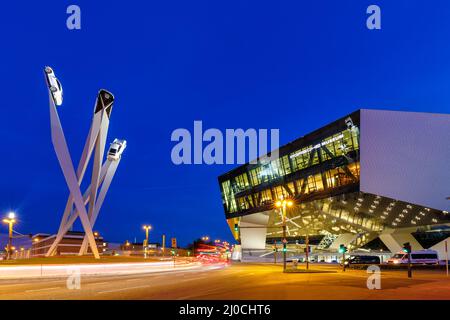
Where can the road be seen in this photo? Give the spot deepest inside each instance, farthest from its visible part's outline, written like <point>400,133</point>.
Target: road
<point>238,281</point>
<point>85,269</point>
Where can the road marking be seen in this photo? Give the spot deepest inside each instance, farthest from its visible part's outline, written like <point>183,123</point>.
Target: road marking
<point>45,289</point>
<point>13,285</point>
<point>245,275</point>
<point>201,294</point>
<point>192,279</point>
<point>123,289</point>
<point>29,283</point>
<point>96,283</point>
<point>146,278</point>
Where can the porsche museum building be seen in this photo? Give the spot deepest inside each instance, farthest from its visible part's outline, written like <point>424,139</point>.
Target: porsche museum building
<point>371,181</point>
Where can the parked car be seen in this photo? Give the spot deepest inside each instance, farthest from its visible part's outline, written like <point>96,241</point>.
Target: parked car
<point>54,86</point>
<point>417,257</point>
<point>363,259</point>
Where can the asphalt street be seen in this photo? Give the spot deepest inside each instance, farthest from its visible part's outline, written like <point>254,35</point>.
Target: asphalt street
<point>237,281</point>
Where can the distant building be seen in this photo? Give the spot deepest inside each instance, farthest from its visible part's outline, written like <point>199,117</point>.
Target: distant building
<point>21,246</point>
<point>70,244</point>
<point>137,249</point>
<point>138,246</point>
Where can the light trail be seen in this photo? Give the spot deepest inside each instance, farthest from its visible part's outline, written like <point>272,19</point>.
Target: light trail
<point>37,271</point>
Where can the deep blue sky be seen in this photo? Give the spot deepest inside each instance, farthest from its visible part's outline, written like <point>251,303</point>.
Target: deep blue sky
<point>293,65</point>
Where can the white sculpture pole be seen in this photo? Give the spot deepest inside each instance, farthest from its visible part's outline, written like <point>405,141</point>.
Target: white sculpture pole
<point>82,165</point>
<point>112,167</point>
<point>65,161</point>
<point>73,215</point>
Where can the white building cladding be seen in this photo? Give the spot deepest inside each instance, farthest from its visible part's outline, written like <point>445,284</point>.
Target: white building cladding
<point>370,174</point>
<point>406,156</point>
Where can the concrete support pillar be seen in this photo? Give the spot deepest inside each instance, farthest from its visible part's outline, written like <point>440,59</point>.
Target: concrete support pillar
<point>394,239</point>
<point>345,239</point>
<point>440,248</point>
<point>237,253</point>
<point>253,229</point>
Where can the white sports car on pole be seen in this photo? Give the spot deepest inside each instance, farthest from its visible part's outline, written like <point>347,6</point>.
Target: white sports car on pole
<point>54,85</point>
<point>116,149</point>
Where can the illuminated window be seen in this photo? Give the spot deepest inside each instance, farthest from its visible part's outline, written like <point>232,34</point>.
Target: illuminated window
<point>242,182</point>
<point>255,177</point>
<point>228,197</point>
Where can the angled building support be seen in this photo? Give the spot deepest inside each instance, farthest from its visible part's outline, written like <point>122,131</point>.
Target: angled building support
<point>253,229</point>
<point>394,239</point>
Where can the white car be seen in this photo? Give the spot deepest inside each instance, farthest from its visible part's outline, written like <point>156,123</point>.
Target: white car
<point>54,86</point>
<point>417,257</point>
<point>116,149</point>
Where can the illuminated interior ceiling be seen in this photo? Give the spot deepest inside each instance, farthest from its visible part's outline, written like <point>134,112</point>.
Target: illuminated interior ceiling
<point>358,213</point>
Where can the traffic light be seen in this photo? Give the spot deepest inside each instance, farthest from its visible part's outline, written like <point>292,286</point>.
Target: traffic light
<point>407,247</point>
<point>173,252</point>
<point>342,249</point>
<point>236,227</point>
<point>284,247</point>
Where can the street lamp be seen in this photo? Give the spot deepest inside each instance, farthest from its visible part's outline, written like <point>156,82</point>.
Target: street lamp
<point>10,220</point>
<point>147,228</point>
<point>205,238</point>
<point>96,237</point>
<point>283,204</point>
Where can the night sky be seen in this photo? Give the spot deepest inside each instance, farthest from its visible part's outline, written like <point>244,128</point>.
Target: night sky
<point>292,65</point>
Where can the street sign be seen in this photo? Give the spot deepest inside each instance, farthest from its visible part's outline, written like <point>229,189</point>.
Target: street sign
<point>174,242</point>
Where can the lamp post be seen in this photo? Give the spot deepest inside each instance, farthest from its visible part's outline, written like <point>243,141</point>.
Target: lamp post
<point>147,228</point>
<point>307,251</point>
<point>283,204</point>
<point>10,220</point>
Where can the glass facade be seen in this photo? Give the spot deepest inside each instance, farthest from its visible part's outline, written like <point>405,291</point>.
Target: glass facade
<point>296,173</point>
